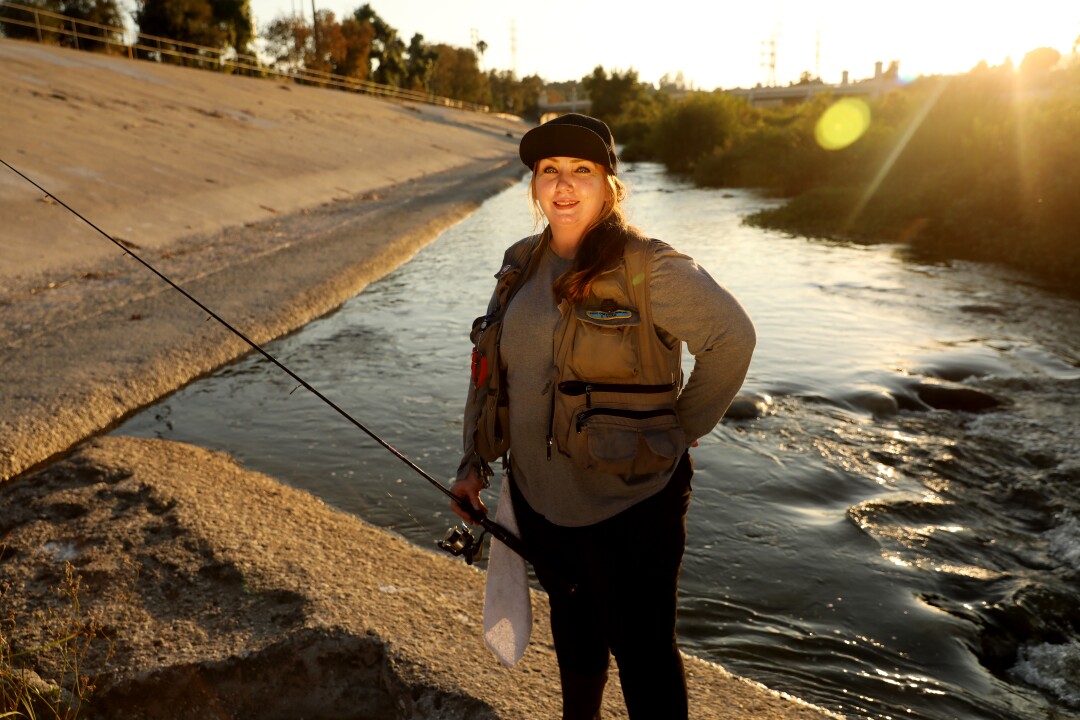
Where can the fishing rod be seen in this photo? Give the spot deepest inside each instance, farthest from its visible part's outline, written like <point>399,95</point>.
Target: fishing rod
<point>459,540</point>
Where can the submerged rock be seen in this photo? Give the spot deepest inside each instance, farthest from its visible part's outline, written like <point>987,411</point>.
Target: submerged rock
<point>879,402</point>
<point>947,396</point>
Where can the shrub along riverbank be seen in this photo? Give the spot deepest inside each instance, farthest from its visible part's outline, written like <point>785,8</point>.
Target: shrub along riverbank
<point>982,166</point>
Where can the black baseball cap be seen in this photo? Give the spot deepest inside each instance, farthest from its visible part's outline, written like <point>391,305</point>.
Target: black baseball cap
<point>570,135</point>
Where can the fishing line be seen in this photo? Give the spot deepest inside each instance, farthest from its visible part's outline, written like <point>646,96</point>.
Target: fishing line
<point>461,543</point>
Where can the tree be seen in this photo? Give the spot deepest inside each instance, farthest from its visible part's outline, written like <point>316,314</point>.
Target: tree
<point>695,128</point>
<point>808,78</point>
<point>420,64</point>
<point>328,44</point>
<point>287,40</point>
<point>391,69</point>
<point>634,126</point>
<point>457,75</point>
<point>610,96</point>
<point>102,12</point>
<point>337,48</point>
<point>213,23</point>
<point>188,20</point>
<point>1039,61</point>
<point>387,49</point>
<point>517,97</point>
<point>233,17</point>
<point>357,59</point>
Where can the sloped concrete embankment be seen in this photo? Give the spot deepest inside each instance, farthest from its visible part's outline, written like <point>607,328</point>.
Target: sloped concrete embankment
<point>115,338</point>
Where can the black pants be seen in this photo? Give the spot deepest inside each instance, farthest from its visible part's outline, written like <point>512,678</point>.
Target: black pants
<point>626,570</point>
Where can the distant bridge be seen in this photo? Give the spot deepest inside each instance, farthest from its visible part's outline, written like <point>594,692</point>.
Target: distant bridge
<point>549,110</point>
<point>875,87</point>
<point>762,96</point>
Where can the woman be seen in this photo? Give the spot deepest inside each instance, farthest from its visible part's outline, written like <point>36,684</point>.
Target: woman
<point>586,392</point>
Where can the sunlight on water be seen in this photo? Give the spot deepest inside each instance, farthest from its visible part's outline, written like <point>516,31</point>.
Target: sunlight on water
<point>886,525</point>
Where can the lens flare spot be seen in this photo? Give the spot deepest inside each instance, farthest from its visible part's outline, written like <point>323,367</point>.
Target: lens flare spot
<point>843,123</point>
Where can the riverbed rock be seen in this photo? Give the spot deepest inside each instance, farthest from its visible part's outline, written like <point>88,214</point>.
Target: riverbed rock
<point>950,396</point>
<point>878,402</point>
<point>749,406</point>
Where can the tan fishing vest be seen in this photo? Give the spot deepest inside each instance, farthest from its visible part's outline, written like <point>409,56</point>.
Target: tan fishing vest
<point>615,381</point>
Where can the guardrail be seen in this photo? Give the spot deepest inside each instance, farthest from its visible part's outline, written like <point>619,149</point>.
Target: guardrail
<point>79,33</point>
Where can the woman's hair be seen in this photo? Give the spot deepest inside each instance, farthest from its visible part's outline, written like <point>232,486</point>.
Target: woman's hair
<point>601,247</point>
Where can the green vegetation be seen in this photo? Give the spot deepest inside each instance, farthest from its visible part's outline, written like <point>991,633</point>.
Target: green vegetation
<point>43,656</point>
<point>365,47</point>
<point>212,23</point>
<point>102,12</point>
<point>361,46</point>
<point>982,166</point>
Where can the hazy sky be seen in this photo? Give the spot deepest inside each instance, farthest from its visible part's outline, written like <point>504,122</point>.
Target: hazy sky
<point>724,44</point>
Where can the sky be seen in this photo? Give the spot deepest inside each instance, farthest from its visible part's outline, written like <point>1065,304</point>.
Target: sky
<point>721,44</point>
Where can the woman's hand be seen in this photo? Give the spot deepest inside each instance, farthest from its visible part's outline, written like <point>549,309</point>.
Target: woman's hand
<point>468,489</point>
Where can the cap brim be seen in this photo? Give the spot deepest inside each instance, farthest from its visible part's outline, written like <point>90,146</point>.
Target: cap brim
<point>554,140</point>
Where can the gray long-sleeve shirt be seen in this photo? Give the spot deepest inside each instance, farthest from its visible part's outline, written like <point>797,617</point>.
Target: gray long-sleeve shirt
<point>687,304</point>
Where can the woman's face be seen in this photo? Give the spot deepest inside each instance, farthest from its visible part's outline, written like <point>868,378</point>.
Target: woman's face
<point>571,192</point>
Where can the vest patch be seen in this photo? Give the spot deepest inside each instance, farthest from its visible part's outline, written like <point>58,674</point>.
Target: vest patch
<point>608,314</point>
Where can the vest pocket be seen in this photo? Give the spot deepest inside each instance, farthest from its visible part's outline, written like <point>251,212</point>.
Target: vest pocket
<point>620,438</point>
<point>488,402</point>
<point>605,343</point>
<point>491,436</point>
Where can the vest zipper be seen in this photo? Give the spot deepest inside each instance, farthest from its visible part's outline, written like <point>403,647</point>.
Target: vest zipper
<point>585,415</point>
<point>551,420</point>
<point>574,388</point>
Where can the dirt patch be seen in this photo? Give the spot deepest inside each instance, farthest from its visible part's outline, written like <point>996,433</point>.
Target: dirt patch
<point>310,674</point>
<point>205,612</point>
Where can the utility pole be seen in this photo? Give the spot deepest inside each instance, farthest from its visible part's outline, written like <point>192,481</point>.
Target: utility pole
<point>817,54</point>
<point>513,49</point>
<point>315,30</point>
<point>768,59</point>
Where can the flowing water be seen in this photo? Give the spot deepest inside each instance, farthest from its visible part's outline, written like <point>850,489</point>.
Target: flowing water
<point>896,534</point>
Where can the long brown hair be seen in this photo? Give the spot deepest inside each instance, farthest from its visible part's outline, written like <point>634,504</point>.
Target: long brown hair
<point>601,247</point>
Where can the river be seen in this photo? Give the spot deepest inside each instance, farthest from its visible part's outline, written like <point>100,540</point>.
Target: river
<point>896,533</point>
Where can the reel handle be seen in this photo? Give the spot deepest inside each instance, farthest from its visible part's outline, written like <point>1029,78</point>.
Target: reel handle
<point>459,541</point>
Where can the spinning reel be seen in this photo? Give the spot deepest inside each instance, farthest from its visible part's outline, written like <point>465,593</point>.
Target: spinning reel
<point>460,541</point>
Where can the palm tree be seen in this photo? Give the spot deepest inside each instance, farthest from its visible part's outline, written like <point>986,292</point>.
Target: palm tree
<point>481,47</point>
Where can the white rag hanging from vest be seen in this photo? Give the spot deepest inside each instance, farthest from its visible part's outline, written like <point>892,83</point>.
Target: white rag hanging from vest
<point>507,602</point>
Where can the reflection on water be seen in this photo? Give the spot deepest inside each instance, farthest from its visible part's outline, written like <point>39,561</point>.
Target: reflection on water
<point>890,531</point>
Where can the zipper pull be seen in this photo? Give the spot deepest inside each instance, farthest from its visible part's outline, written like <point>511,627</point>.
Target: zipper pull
<point>588,395</point>
<point>548,447</point>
